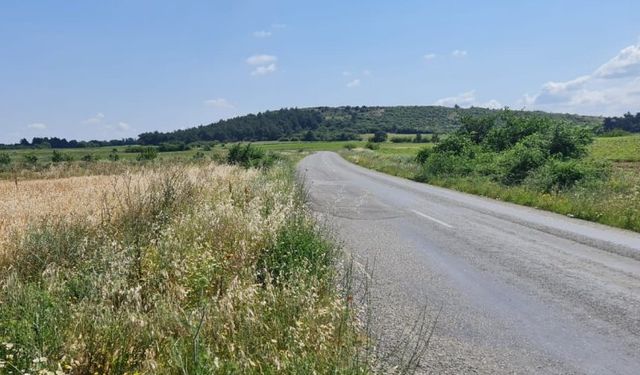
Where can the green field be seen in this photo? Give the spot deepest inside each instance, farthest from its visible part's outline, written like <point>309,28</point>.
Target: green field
<point>617,149</point>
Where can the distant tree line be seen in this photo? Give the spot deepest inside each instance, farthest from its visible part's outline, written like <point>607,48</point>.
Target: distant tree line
<point>312,124</point>
<point>627,122</point>
<point>55,142</point>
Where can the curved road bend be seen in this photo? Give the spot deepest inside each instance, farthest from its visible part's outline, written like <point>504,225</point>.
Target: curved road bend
<point>521,290</point>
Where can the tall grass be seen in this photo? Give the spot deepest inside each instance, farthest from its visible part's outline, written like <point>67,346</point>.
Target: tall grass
<point>194,270</point>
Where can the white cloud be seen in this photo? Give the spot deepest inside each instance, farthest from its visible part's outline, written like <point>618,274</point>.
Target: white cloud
<point>354,83</point>
<point>468,99</point>
<point>122,126</point>
<point>346,73</point>
<point>366,72</point>
<point>459,53</point>
<point>493,104</point>
<point>95,119</point>
<point>37,126</point>
<point>220,103</point>
<point>612,89</point>
<point>264,70</point>
<point>261,59</point>
<point>429,56</point>
<point>278,26</point>
<point>262,34</point>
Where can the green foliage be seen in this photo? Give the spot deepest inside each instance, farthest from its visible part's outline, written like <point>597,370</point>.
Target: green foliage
<point>401,139</point>
<point>5,159</point>
<point>89,158</point>
<point>30,159</point>
<point>113,155</point>
<point>173,147</point>
<point>423,155</point>
<point>372,146</point>
<point>557,175</point>
<point>340,123</point>
<point>299,249</point>
<point>350,146</point>
<point>509,148</point>
<point>249,156</point>
<point>147,154</point>
<point>379,136</point>
<point>58,157</point>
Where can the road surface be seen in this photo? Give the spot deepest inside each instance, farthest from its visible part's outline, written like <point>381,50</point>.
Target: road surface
<point>520,290</point>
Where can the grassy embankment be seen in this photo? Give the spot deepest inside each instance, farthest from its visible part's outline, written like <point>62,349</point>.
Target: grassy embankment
<point>160,268</point>
<point>614,201</point>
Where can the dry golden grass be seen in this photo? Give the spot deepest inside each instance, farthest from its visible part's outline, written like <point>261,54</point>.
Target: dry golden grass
<point>87,197</point>
<point>30,201</point>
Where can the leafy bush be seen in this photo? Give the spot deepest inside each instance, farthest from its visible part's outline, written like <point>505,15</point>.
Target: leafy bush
<point>399,139</point>
<point>557,174</point>
<point>372,146</point>
<point>516,163</point>
<point>89,158</point>
<point>147,154</point>
<point>58,157</point>
<point>350,146</point>
<point>379,136</point>
<point>423,155</point>
<point>5,158</point>
<point>30,158</point>
<point>457,145</point>
<point>509,149</point>
<point>249,156</point>
<point>173,147</point>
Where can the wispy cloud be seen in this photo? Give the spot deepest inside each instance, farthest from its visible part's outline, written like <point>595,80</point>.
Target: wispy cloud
<point>468,99</point>
<point>612,89</point>
<point>265,64</point>
<point>95,119</point>
<point>459,53</point>
<point>264,70</point>
<point>220,103</point>
<point>261,59</point>
<point>367,72</point>
<point>37,126</point>
<point>429,56</point>
<point>353,83</point>
<point>278,26</point>
<point>262,34</point>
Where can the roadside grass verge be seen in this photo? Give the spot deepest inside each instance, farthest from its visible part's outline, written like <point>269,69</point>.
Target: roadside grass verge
<point>191,269</point>
<point>614,201</point>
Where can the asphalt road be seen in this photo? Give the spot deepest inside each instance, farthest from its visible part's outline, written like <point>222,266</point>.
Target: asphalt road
<point>520,290</point>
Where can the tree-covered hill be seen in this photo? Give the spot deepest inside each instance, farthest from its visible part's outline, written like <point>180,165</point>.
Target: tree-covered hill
<point>337,123</point>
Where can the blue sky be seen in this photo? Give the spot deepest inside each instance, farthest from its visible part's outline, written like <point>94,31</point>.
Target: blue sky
<point>113,69</point>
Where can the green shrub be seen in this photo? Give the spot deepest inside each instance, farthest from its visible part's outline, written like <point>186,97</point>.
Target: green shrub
<point>173,147</point>
<point>147,154</point>
<point>30,158</point>
<point>89,158</point>
<point>379,136</point>
<point>58,157</point>
<point>350,146</point>
<point>5,158</point>
<point>423,155</point>
<point>557,175</point>
<point>516,163</point>
<point>456,145</point>
<point>399,139</point>
<point>249,156</point>
<point>372,146</point>
<point>113,155</point>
